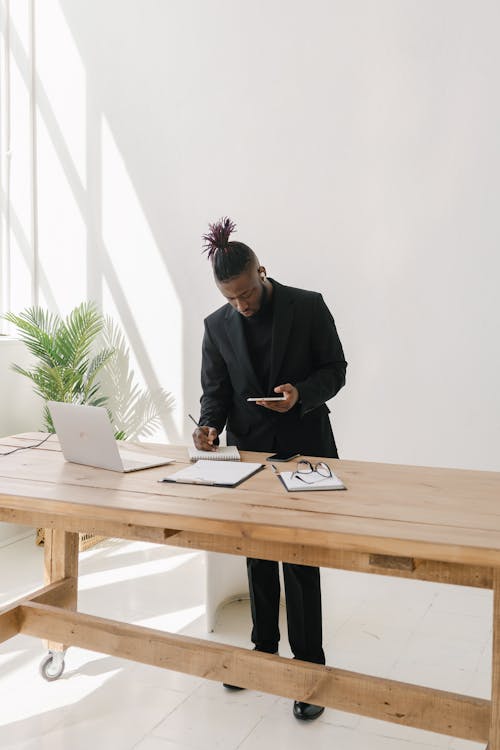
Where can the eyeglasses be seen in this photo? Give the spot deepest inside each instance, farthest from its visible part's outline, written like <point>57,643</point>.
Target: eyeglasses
<point>305,471</point>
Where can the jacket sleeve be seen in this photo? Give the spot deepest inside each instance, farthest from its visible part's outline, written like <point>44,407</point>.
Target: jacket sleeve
<point>216,385</point>
<point>328,361</point>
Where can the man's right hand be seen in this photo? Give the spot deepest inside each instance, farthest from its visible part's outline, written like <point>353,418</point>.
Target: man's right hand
<point>204,438</point>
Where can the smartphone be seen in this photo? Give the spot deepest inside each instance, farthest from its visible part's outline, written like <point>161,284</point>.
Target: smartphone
<point>267,398</point>
<point>285,456</point>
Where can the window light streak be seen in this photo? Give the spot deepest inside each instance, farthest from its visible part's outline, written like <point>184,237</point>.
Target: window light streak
<point>63,84</point>
<point>144,280</point>
<point>40,699</point>
<point>132,572</point>
<point>173,622</point>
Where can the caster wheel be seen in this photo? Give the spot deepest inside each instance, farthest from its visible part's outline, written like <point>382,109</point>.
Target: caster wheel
<point>52,666</point>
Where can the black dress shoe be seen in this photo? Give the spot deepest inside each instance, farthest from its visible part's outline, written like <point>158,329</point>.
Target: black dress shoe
<point>306,711</point>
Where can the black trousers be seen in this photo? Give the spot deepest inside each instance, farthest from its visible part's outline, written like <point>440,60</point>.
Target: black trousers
<point>303,608</point>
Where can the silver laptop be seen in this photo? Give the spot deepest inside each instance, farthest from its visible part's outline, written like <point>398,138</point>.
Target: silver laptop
<point>86,437</point>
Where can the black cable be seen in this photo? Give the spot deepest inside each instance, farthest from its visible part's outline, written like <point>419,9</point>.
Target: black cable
<point>25,447</point>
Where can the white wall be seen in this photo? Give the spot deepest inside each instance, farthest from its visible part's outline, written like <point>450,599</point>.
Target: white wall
<point>356,145</point>
<point>20,409</point>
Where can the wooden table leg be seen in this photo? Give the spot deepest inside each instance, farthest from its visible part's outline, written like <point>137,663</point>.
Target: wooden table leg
<point>494,743</point>
<point>61,561</point>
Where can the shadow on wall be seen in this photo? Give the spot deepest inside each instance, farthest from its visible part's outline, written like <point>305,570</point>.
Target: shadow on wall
<point>137,413</point>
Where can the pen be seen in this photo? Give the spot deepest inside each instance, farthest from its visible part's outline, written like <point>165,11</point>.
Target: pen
<point>273,467</point>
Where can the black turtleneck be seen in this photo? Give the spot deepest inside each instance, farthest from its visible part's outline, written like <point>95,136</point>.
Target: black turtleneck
<point>258,333</point>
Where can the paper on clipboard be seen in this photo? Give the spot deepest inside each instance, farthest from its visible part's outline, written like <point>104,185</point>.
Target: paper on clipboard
<point>218,473</point>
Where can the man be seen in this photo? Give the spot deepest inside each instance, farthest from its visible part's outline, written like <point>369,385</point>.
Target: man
<point>270,338</point>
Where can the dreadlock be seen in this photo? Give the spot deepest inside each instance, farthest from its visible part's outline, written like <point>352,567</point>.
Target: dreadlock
<point>229,258</point>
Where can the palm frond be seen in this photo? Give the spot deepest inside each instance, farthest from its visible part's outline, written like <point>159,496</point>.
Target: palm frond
<point>48,424</point>
<point>136,412</point>
<point>37,330</point>
<point>64,370</point>
<point>97,363</point>
<point>78,333</point>
<point>143,415</point>
<point>47,380</point>
<point>98,402</point>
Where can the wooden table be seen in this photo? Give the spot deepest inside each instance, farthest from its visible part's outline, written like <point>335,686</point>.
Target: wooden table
<point>413,522</point>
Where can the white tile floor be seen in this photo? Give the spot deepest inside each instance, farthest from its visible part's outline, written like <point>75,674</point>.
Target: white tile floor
<point>412,631</point>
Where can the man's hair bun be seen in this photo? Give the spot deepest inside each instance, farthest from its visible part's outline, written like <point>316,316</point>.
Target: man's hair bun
<point>217,238</point>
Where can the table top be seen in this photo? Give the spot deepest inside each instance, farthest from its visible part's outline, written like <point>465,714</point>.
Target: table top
<point>433,513</point>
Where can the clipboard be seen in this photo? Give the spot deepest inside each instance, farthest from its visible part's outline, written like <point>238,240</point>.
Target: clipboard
<point>214,473</point>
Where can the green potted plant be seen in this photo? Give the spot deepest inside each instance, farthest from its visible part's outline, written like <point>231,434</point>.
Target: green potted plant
<point>78,359</point>
<point>66,366</point>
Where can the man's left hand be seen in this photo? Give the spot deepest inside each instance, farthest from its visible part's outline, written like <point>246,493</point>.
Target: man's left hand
<point>291,396</point>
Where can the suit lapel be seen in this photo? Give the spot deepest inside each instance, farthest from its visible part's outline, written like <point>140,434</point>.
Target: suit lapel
<point>282,324</point>
<point>236,335</point>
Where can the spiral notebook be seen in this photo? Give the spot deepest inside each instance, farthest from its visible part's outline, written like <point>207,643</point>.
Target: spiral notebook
<point>312,482</point>
<point>223,453</point>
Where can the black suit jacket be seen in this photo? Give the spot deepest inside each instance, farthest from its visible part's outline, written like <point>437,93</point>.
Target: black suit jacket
<point>306,351</point>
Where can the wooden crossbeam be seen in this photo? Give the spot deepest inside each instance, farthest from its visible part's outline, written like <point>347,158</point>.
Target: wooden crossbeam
<point>9,622</point>
<point>410,705</point>
<point>362,562</point>
<point>58,594</point>
<point>90,525</point>
<point>61,593</point>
